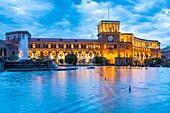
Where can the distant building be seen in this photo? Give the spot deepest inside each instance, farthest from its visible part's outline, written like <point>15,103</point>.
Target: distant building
<point>119,48</point>
<point>166,53</point>
<point>8,48</point>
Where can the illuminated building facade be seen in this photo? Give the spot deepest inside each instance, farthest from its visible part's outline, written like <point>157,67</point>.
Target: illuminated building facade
<point>119,48</point>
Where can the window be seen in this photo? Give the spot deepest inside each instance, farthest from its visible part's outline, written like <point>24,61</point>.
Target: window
<point>97,46</point>
<point>61,46</point>
<point>68,46</point>
<point>42,46</point>
<point>83,46</point>
<point>115,46</point>
<point>75,46</point>
<point>37,46</point>
<point>46,46</point>
<point>54,46</point>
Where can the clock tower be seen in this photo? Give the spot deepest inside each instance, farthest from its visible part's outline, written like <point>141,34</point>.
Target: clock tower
<point>108,31</point>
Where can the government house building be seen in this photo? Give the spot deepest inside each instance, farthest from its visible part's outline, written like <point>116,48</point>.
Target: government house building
<point>119,48</point>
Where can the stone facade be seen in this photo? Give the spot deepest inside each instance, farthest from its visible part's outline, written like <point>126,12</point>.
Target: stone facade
<point>8,48</point>
<point>119,48</point>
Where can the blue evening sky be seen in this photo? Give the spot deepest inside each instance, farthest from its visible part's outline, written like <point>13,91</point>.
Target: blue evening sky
<point>148,19</point>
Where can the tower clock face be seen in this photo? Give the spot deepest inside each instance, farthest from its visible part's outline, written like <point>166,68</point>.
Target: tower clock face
<point>110,38</point>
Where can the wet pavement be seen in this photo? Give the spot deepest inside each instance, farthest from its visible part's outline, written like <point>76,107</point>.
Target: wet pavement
<point>99,90</point>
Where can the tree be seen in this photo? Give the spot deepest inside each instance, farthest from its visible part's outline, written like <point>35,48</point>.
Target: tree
<point>61,61</point>
<point>13,57</point>
<point>71,59</point>
<point>98,60</point>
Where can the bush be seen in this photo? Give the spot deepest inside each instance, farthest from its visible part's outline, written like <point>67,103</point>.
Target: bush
<point>61,61</point>
<point>13,57</point>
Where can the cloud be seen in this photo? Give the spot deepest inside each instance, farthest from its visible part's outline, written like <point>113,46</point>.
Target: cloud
<point>144,5</point>
<point>91,14</point>
<point>155,27</point>
<point>145,19</point>
<point>166,11</point>
<point>24,10</point>
<point>22,14</point>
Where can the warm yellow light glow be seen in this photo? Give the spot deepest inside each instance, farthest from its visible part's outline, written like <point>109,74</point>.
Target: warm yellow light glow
<point>72,46</point>
<point>127,46</point>
<point>45,53</point>
<point>53,53</point>
<point>111,58</point>
<point>49,45</point>
<point>68,52</point>
<point>33,45</point>
<point>37,53</point>
<point>30,53</point>
<point>105,46</point>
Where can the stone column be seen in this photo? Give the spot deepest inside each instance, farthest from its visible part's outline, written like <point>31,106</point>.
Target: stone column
<point>65,53</point>
<point>86,57</point>
<point>80,57</point>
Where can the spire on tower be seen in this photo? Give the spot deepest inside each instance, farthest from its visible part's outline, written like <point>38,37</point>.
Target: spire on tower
<point>108,13</point>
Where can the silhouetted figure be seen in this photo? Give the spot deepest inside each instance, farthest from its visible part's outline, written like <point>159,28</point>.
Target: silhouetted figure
<point>100,74</point>
<point>105,79</point>
<point>129,88</point>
